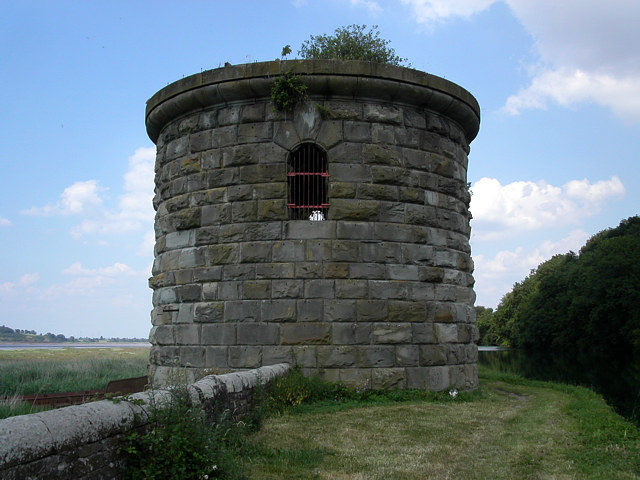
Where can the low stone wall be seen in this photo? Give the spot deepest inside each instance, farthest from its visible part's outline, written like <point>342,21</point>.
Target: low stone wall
<point>82,441</point>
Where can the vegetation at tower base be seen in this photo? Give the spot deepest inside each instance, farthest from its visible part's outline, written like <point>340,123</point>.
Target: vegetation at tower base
<point>352,42</point>
<point>584,309</point>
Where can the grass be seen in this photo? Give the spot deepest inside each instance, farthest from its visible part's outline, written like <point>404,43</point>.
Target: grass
<point>510,428</point>
<point>30,371</point>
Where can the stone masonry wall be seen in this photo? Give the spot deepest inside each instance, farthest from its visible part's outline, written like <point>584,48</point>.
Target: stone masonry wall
<point>380,292</point>
<point>82,441</point>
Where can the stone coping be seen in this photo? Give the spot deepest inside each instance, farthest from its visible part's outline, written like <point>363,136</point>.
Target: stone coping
<point>30,437</point>
<point>329,78</point>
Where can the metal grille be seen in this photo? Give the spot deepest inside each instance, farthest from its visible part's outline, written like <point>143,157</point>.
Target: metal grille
<point>308,182</point>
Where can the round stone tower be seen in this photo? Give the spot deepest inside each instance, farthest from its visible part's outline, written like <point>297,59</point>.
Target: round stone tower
<point>334,237</point>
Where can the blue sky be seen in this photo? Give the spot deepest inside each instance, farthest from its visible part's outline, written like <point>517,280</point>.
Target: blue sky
<point>556,159</point>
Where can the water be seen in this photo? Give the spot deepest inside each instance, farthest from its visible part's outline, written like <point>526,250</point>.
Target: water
<point>22,346</point>
<point>616,379</point>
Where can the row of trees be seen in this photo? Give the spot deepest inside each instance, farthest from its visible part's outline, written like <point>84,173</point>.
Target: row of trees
<point>585,302</point>
<point>8,334</point>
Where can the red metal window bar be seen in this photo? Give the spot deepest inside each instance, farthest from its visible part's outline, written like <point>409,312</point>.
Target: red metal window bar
<point>308,183</point>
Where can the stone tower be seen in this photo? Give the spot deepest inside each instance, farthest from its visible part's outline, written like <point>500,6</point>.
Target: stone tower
<point>334,237</point>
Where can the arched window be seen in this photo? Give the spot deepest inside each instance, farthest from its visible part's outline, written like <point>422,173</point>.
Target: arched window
<point>308,183</point>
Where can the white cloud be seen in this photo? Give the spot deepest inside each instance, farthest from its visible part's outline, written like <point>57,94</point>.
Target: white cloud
<point>75,199</point>
<point>135,208</point>
<point>496,275</point>
<point>4,222</point>
<point>25,280</point>
<point>526,205</point>
<point>431,11</point>
<point>587,50</point>
<point>569,87</point>
<point>371,6</point>
<point>76,269</point>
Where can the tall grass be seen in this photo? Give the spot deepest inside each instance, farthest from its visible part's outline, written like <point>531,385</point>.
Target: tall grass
<point>64,371</point>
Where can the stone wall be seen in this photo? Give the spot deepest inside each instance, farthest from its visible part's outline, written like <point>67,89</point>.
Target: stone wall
<point>381,291</point>
<point>82,441</point>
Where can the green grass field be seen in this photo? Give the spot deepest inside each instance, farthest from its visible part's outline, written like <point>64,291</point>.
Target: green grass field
<point>30,371</point>
<point>511,428</point>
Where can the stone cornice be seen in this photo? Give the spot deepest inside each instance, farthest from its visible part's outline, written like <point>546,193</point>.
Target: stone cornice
<point>325,78</point>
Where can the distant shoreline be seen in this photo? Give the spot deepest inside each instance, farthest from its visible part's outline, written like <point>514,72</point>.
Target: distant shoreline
<point>45,345</point>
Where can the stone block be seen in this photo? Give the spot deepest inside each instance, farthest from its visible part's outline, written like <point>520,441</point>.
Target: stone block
<point>255,252</point>
<point>403,272</point>
<point>187,334</point>
<point>408,355</point>
<point>244,211</point>
<point>351,288</point>
<point>404,311</point>
<point>342,190</point>
<point>216,357</point>
<point>189,293</point>
<point>304,356</point>
<point>367,270</point>
<point>382,333</point>
<point>207,235</point>
<point>192,356</point>
<point>242,311</point>
<point>377,192</point>
<point>347,209</point>
<point>219,334</point>
<point>349,172</point>
<point>308,269</point>
<point>274,209</point>
<point>286,288</point>
<point>258,289</point>
<point>376,357</point>
<point>229,290</point>
<point>208,312</point>
<point>245,357</point>
<point>285,135</point>
<point>224,136</point>
<point>437,378</point>
<point>355,230</point>
<point>279,310</point>
<point>305,333</point>
<point>446,332</point>
<point>350,333</point>
<point>185,313</point>
<point>222,254</point>
<point>238,272</point>
<point>330,133</point>
<point>389,289</point>
<point>309,310</point>
<point>288,251</point>
<point>371,310</point>
<point>272,355</point>
<point>317,250</point>
<point>445,293</point>
<point>320,288</point>
<point>180,239</point>
<point>305,229</point>
<point>340,310</point>
<point>431,355</point>
<point>252,113</point>
<point>344,250</point>
<point>263,173</point>
<point>336,270</point>
<point>383,114</point>
<point>416,377</point>
<point>355,131</point>
<point>355,377</point>
<point>276,190</point>
<point>423,332</point>
<point>337,356</point>
<point>383,154</point>
<point>258,334</point>
<point>237,193</point>
<point>382,134</point>
<point>162,335</point>
<point>387,378</point>
<point>275,270</point>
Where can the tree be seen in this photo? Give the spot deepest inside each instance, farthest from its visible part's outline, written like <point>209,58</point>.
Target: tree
<point>351,43</point>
